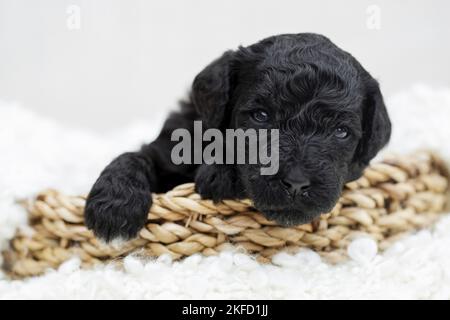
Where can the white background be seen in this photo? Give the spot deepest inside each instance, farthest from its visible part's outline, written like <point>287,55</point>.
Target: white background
<point>131,59</point>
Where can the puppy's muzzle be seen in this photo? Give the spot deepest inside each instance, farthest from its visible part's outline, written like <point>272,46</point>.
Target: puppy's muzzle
<point>296,183</point>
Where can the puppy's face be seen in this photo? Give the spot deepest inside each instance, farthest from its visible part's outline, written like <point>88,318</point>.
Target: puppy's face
<point>328,110</point>
<point>318,137</point>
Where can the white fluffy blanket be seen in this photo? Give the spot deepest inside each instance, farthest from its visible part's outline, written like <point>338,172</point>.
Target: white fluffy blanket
<point>38,153</point>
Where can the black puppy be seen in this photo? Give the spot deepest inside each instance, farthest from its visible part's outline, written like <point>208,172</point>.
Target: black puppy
<point>331,118</point>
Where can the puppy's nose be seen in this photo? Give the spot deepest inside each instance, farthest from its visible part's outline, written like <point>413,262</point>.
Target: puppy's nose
<point>296,184</point>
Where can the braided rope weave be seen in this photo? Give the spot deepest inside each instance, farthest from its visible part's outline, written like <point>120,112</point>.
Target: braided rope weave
<point>399,194</point>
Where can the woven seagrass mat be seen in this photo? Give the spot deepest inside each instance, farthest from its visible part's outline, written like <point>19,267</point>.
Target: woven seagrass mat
<point>393,197</point>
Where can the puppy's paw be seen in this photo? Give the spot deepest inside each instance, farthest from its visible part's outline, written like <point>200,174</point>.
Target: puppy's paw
<point>218,182</point>
<point>117,207</point>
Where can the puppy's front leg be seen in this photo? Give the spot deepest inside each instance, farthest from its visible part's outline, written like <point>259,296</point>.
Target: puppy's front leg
<point>120,199</point>
<point>218,182</point>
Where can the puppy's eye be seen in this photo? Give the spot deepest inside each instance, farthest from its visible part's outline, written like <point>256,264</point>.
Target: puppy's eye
<point>260,116</point>
<point>341,133</point>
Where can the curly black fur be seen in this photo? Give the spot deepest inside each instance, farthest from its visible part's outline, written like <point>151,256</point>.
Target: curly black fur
<point>308,86</point>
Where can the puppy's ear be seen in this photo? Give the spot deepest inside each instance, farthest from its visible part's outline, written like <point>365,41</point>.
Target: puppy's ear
<point>376,129</point>
<point>211,90</point>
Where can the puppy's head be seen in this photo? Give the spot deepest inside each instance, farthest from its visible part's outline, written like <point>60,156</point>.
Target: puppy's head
<point>329,112</point>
